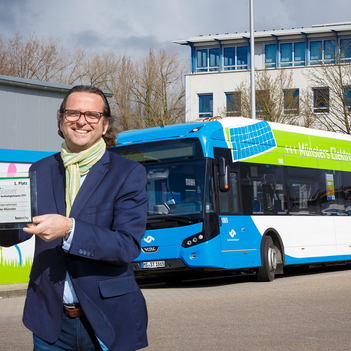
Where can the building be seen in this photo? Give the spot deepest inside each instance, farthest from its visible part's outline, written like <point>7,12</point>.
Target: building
<point>28,114</point>
<point>219,63</point>
<point>29,111</point>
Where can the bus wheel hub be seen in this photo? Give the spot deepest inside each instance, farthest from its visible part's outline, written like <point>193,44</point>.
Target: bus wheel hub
<point>272,259</point>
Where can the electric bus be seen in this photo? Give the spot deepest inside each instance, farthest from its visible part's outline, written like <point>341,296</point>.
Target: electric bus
<point>241,195</point>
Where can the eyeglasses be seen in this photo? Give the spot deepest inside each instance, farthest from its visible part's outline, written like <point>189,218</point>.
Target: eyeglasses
<point>90,116</point>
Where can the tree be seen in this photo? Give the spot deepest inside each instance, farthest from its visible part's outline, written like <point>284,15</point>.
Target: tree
<point>331,88</point>
<point>122,102</point>
<point>275,100</point>
<point>307,117</point>
<point>158,89</point>
<point>146,93</point>
<point>33,58</point>
<point>3,57</point>
<point>72,73</point>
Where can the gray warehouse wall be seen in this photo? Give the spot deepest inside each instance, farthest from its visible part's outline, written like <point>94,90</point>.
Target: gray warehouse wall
<point>28,119</point>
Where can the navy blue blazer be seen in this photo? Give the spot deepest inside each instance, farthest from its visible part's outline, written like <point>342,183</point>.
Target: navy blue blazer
<point>110,218</point>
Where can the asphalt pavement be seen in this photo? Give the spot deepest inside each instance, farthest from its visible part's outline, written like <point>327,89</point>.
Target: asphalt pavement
<point>297,312</point>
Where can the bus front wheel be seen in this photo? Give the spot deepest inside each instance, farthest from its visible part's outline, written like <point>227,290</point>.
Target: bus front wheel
<point>266,272</point>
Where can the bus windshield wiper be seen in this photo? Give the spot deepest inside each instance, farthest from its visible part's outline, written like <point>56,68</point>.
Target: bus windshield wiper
<point>183,219</point>
<point>150,161</point>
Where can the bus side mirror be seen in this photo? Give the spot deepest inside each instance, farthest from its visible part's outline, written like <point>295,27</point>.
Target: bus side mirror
<point>224,175</point>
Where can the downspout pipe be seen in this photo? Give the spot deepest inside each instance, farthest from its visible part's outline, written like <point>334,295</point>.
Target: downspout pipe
<point>336,34</point>
<point>306,51</point>
<point>249,51</point>
<point>192,55</point>
<point>220,54</point>
<point>337,41</point>
<point>277,53</point>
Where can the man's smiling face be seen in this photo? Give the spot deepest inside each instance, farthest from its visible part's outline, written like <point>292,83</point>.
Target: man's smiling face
<point>80,135</point>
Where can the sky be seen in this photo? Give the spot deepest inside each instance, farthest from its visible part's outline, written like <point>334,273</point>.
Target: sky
<point>132,27</point>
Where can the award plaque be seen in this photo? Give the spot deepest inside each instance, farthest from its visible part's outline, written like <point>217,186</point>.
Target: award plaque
<point>15,200</point>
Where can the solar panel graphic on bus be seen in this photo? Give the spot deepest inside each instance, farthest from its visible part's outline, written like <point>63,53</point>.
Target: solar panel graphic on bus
<point>251,140</point>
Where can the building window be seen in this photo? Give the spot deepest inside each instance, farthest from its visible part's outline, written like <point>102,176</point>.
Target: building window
<point>229,59</point>
<point>299,54</point>
<point>205,105</point>
<point>233,104</point>
<point>347,97</point>
<point>323,52</point>
<point>291,101</point>
<point>271,55</point>
<point>262,99</point>
<point>321,100</point>
<point>235,58</point>
<point>345,50</point>
<point>201,64</point>
<point>207,60</point>
<point>242,57</point>
<point>286,55</point>
<point>292,54</point>
<point>316,53</point>
<point>329,51</point>
<point>214,59</point>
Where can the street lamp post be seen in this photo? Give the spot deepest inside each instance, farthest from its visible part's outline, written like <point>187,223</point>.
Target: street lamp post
<point>252,58</point>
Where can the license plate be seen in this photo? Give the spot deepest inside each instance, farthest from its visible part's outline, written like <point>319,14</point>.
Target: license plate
<point>153,264</point>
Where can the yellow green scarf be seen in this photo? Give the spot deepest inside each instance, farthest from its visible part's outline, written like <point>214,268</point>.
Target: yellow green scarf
<point>78,164</point>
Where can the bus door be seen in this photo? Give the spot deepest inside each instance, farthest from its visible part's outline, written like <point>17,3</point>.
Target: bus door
<point>236,230</point>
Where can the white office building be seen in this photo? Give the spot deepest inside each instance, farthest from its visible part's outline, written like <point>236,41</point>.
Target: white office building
<point>219,63</point>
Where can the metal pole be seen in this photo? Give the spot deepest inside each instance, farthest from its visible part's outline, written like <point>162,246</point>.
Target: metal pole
<point>252,57</point>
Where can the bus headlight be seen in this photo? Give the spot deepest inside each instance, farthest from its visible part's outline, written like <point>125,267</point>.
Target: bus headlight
<point>193,240</point>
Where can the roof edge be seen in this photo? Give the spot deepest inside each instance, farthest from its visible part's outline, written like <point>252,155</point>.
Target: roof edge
<point>40,85</point>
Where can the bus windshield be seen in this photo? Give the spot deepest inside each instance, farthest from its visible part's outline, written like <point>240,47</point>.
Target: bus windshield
<point>176,193</point>
<point>154,152</point>
<point>175,171</point>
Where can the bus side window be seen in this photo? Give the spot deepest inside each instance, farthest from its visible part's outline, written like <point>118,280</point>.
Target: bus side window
<point>262,189</point>
<point>347,192</point>
<point>229,201</point>
<point>332,194</point>
<point>246,196</point>
<point>303,196</point>
<point>235,191</point>
<point>303,191</point>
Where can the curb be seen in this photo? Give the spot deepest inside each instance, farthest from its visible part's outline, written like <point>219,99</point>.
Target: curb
<point>13,290</point>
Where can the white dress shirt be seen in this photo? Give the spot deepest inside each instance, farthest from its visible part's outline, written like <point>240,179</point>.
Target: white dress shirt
<point>69,295</point>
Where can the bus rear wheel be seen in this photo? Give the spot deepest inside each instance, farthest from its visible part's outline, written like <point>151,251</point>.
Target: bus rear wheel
<point>266,272</point>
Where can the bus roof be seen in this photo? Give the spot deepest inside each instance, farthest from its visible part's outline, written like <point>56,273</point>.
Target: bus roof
<point>158,133</point>
<point>186,130</point>
<point>257,141</point>
<point>22,156</point>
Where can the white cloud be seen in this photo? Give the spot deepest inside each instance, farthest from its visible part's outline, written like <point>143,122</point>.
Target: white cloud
<point>134,26</point>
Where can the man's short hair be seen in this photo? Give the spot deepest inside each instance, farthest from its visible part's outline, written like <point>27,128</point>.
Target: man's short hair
<point>111,134</point>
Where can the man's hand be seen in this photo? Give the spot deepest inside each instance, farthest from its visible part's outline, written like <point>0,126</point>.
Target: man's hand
<point>49,227</point>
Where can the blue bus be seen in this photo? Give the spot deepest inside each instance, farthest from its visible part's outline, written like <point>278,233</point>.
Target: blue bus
<point>241,195</point>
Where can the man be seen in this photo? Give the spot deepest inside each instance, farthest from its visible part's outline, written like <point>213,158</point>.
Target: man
<point>92,207</point>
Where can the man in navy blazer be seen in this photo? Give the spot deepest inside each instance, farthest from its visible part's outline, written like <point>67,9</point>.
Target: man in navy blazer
<point>81,278</point>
